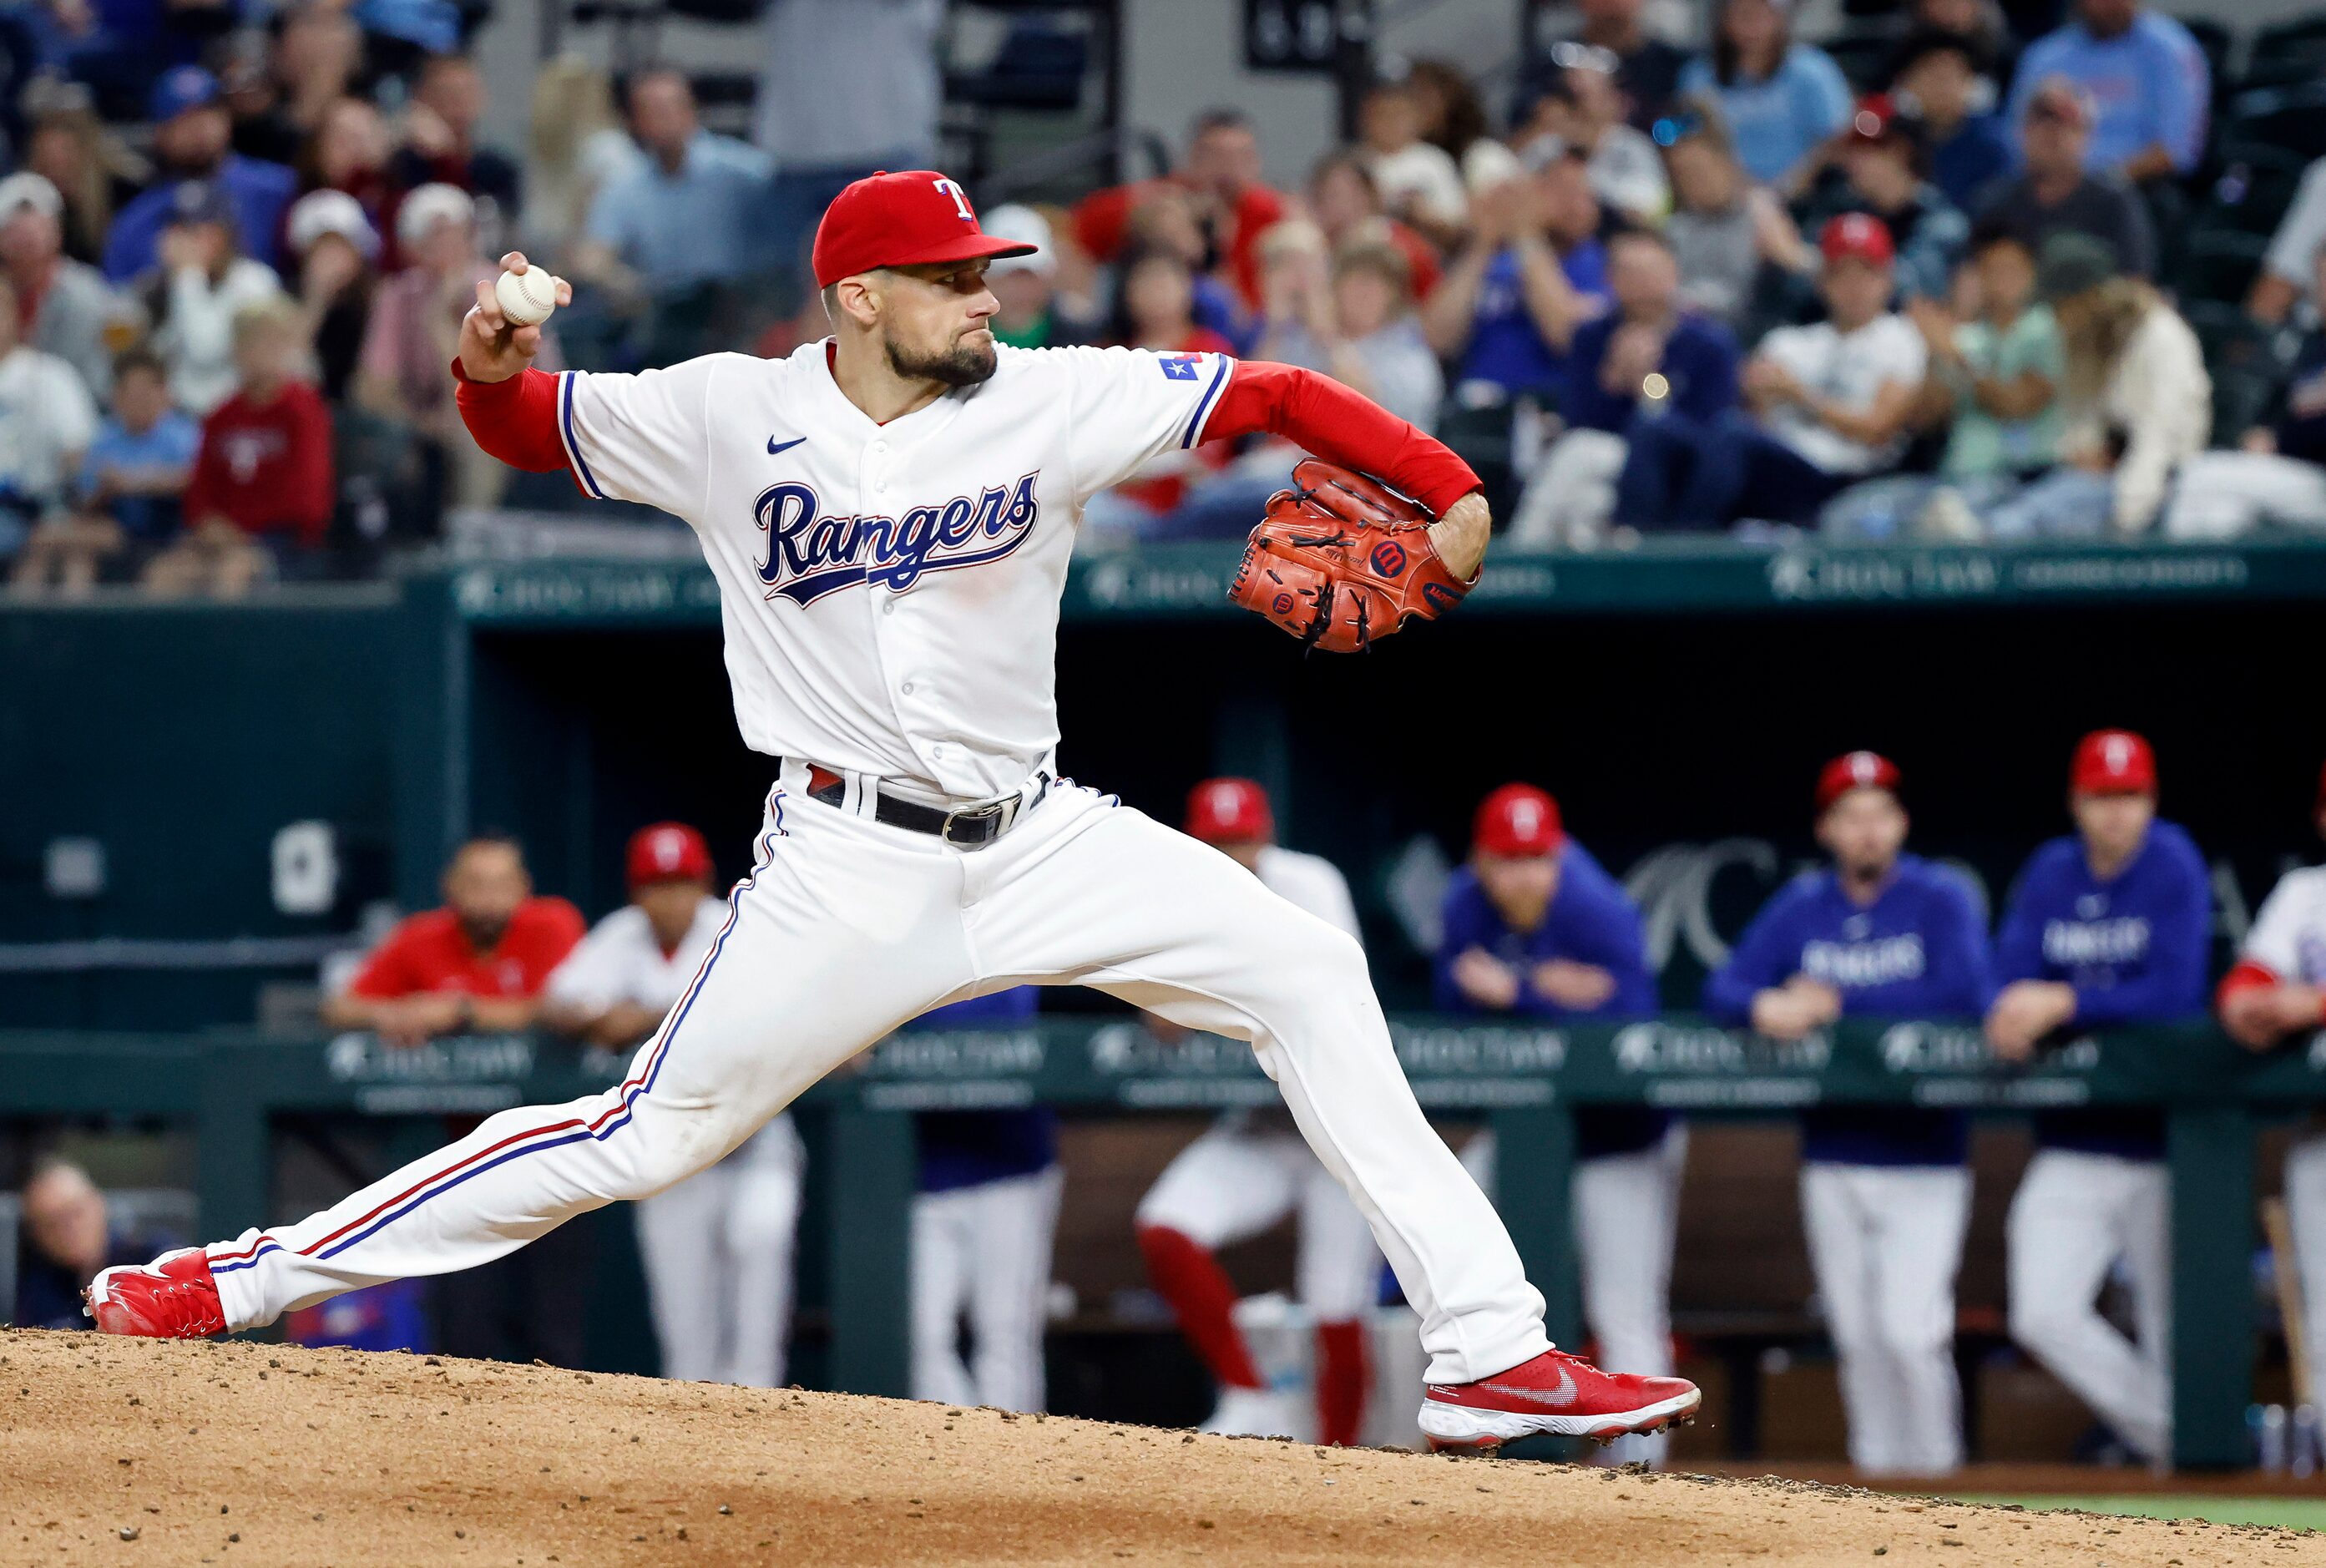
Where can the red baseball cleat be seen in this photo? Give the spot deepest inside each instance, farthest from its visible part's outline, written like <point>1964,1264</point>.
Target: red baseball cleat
<point>171,1298</point>
<point>1554,1393</point>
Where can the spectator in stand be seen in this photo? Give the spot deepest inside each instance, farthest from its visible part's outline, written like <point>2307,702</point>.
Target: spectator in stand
<point>2139,402</point>
<point>440,146</point>
<point>316,60</point>
<point>2054,193</point>
<point>717,1247</point>
<point>336,251</point>
<point>1829,404</point>
<point>2147,77</point>
<point>1535,927</point>
<point>1938,84</point>
<point>414,332</point>
<point>2276,996</point>
<point>1419,181</point>
<point>190,128</point>
<point>1878,169</point>
<point>202,284</point>
<point>576,148</point>
<point>682,216</point>
<point>348,152</point>
<point>1529,272</point>
<point>2289,272</point>
<point>1648,359</point>
<point>1994,50</point>
<point>2278,472</point>
<point>1451,117</point>
<point>1781,101</point>
<point>69,1235</point>
<point>1166,219</point>
<point>47,420</point>
<point>1886,1195</point>
<point>1724,230</point>
<point>479,965</point>
<point>1155,308</point>
<point>126,499</point>
<point>1220,176</point>
<point>260,497</point>
<point>70,148</point>
<point>1344,202</point>
<point>1647,67</point>
<point>1031,315</point>
<point>983,1228</point>
<point>1351,317</point>
<point>1994,385</point>
<point>2106,927</point>
<point>1580,106</point>
<point>72,312</point>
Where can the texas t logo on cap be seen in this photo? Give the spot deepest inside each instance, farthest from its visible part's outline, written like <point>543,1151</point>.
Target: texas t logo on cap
<point>914,218</point>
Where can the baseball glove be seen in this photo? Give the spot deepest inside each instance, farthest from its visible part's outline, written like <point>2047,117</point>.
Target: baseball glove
<point>1339,561</point>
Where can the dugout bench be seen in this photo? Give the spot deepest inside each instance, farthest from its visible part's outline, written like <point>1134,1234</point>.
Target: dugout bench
<point>1523,1081</point>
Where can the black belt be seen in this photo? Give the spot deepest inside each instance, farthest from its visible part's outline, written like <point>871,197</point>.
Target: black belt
<point>970,827</point>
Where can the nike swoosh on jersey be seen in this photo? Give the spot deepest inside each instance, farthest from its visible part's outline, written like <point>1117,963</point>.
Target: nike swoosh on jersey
<point>775,446</point>
<point>1562,1395</point>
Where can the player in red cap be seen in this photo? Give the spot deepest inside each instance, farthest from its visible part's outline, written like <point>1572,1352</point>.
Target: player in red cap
<point>1533,926</point>
<point>1885,1195</point>
<point>717,1247</point>
<point>2276,994</point>
<point>2107,926</point>
<point>1248,1172</point>
<point>889,514</point>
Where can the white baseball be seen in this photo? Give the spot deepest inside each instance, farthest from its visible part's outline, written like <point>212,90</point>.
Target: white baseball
<point>527,297</point>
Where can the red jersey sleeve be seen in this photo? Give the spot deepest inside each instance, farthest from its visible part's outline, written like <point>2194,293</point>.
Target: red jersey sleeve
<point>1322,416</point>
<point>2247,976</point>
<point>514,420</point>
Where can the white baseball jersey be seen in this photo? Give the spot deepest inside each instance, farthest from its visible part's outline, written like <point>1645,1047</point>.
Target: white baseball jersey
<point>2289,935</point>
<point>889,591</point>
<point>1313,882</point>
<point>621,961</point>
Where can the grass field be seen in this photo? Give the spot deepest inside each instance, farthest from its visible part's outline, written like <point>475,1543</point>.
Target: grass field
<point>2287,1513</point>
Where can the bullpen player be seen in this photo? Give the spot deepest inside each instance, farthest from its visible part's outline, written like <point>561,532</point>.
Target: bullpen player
<point>717,1247</point>
<point>1251,1170</point>
<point>2277,993</point>
<point>2107,926</point>
<point>1534,925</point>
<point>1885,1196</point>
<point>982,1231</point>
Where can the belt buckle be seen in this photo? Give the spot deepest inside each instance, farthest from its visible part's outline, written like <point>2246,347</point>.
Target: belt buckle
<point>990,812</point>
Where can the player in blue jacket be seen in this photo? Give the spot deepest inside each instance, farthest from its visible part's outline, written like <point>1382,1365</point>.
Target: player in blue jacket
<point>982,1230</point>
<point>1885,1196</point>
<point>1533,926</point>
<point>2108,925</point>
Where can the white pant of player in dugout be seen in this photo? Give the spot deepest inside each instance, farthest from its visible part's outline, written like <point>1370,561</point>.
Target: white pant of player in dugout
<point>717,1251</point>
<point>847,928</point>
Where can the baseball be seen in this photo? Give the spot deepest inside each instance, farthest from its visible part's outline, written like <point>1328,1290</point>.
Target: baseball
<point>527,297</point>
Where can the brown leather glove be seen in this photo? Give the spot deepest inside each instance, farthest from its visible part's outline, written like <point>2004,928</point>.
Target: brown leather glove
<point>1338,561</point>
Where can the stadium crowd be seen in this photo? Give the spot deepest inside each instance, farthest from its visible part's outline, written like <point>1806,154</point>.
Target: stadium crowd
<point>1975,286</point>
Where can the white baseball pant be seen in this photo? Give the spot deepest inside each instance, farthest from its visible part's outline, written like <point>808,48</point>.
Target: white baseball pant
<point>1885,1244</point>
<point>846,929</point>
<point>2305,1215</point>
<point>1626,1211</point>
<point>984,1250</point>
<point>1234,1183</point>
<point>2074,1215</point>
<point>717,1249</point>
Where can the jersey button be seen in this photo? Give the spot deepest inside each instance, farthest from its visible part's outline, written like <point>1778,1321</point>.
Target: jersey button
<point>906,688</point>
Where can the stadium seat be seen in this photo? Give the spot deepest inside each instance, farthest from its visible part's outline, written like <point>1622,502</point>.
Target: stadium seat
<point>1864,54</point>
<point>2245,360</point>
<point>2290,119</point>
<point>2214,39</point>
<point>2220,264</point>
<point>2287,53</point>
<point>2248,186</point>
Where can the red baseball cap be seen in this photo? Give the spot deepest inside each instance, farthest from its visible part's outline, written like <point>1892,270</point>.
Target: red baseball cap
<point>1854,770</point>
<point>1858,236</point>
<point>1874,119</point>
<point>668,852</point>
<point>1515,820</point>
<point>2113,763</point>
<point>906,219</point>
<point>1230,811</point>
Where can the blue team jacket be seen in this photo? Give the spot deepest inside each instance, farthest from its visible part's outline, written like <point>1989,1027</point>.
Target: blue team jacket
<point>1591,920</point>
<point>1917,951</point>
<point>2134,947</point>
<point>970,1148</point>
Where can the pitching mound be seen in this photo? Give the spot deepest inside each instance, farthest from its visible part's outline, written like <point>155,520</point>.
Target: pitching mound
<point>127,1451</point>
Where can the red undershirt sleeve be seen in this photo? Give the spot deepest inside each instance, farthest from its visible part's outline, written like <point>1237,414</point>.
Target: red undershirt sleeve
<point>516,420</point>
<point>1322,416</point>
<point>2246,977</point>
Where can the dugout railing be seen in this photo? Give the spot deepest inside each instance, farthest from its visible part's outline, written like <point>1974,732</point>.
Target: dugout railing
<point>1523,1081</point>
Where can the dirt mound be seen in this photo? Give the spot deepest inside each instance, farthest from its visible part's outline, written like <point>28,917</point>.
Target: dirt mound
<point>127,1451</point>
